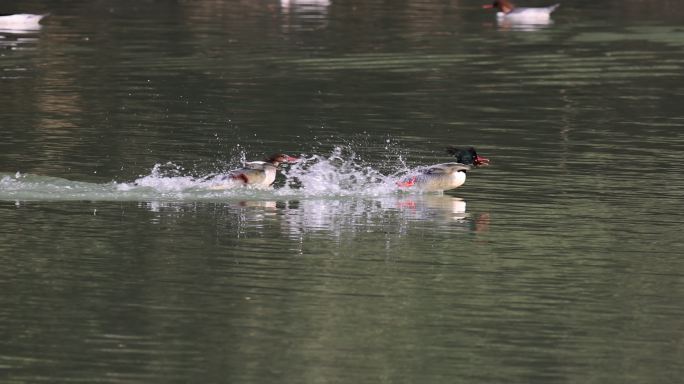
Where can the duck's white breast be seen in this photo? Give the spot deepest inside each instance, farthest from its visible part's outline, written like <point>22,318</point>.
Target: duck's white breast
<point>458,179</point>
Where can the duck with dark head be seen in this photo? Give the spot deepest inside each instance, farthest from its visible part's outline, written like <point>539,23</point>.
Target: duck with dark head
<point>445,176</point>
<point>467,156</point>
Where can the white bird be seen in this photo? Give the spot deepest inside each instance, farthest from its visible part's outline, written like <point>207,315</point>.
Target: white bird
<point>20,21</point>
<point>446,176</point>
<point>508,11</point>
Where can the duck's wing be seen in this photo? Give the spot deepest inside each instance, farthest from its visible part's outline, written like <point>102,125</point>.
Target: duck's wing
<point>248,175</point>
<point>259,165</point>
<point>446,168</point>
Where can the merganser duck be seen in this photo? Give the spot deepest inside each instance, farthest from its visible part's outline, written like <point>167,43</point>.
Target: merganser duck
<point>446,176</point>
<point>508,11</point>
<point>259,174</point>
<point>23,21</point>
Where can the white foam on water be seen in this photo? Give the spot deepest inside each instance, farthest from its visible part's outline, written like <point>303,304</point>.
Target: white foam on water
<point>340,174</point>
<point>163,178</point>
<point>337,175</point>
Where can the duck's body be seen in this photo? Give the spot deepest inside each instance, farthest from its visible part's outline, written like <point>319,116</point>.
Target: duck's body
<point>256,174</point>
<point>446,176</point>
<point>20,21</point>
<point>439,177</point>
<point>508,12</point>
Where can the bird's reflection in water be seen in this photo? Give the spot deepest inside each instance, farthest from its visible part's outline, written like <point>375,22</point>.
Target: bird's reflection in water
<point>303,15</point>
<point>338,216</point>
<point>526,26</point>
<point>426,206</point>
<point>516,25</point>
<point>18,40</point>
<point>287,5</point>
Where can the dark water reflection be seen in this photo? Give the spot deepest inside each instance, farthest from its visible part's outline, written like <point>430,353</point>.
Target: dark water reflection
<point>564,267</point>
<point>347,286</point>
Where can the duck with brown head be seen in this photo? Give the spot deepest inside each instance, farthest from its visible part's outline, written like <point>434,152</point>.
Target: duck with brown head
<point>258,174</point>
<point>504,6</point>
<point>507,10</point>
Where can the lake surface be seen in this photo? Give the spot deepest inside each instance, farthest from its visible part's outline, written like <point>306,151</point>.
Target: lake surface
<point>561,262</point>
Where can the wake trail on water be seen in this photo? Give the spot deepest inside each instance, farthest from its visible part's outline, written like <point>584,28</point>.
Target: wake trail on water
<point>339,174</point>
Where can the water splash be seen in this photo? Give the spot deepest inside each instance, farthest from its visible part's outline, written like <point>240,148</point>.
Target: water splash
<point>340,174</point>
<point>163,178</point>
